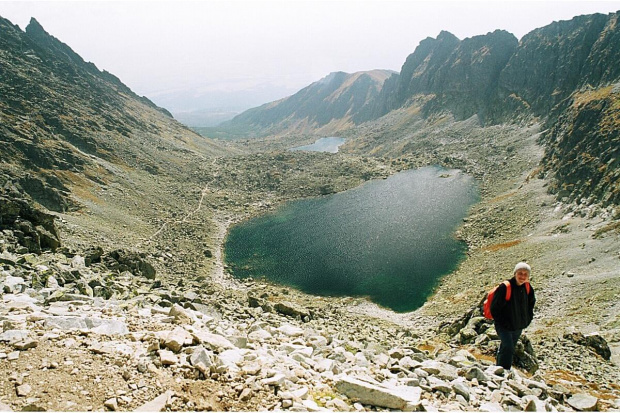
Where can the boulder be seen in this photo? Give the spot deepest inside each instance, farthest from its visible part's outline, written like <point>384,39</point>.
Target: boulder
<point>14,285</point>
<point>583,402</point>
<point>230,359</point>
<point>14,336</point>
<point>177,338</point>
<point>136,263</point>
<point>376,394</point>
<point>23,390</point>
<point>595,341</point>
<point>96,325</point>
<point>158,404</point>
<point>476,373</point>
<point>525,357</point>
<point>461,388</point>
<point>441,370</point>
<point>201,356</point>
<point>180,314</point>
<point>490,407</point>
<point>167,358</point>
<point>212,341</point>
<point>292,310</point>
<point>290,331</point>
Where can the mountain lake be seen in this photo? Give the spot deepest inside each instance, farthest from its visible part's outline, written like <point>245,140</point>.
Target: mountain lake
<point>389,240</point>
<point>329,144</point>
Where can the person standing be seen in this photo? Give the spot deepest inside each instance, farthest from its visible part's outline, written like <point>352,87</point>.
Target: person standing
<point>513,315</point>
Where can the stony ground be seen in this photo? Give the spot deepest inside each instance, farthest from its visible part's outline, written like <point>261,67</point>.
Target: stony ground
<point>81,335</point>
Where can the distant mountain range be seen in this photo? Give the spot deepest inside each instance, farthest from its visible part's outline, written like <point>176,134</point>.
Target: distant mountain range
<point>326,106</point>
<point>493,76</point>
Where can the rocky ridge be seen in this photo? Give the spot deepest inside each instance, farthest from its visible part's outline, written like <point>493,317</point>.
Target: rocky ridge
<point>323,107</point>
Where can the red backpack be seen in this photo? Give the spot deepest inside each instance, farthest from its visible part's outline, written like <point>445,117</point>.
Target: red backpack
<point>486,306</point>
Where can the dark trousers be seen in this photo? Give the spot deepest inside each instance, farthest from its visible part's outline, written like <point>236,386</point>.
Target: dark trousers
<point>507,346</point>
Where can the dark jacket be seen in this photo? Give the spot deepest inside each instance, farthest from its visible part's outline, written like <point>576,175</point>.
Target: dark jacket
<point>516,313</point>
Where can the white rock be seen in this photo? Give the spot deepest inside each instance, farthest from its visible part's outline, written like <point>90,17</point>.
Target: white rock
<point>408,363</point>
<point>290,330</point>
<point>200,355</point>
<point>300,393</point>
<point>251,369</point>
<point>52,283</point>
<point>583,402</point>
<point>324,365</point>
<point>439,385</point>
<point>5,407</point>
<point>13,336</point>
<point>361,360</point>
<point>381,360</point>
<point>177,338</point>
<point>78,262</point>
<point>311,405</point>
<point>490,407</point>
<point>338,405</point>
<point>534,404</point>
<point>461,388</point>
<point>180,314</point>
<point>317,341</point>
<point>111,404</point>
<point>14,284</point>
<point>212,341</point>
<point>376,394</point>
<point>167,357</point>
<point>442,370</point>
<point>245,395</point>
<point>230,359</point>
<point>305,351</point>
<point>96,325</point>
<point>275,380</point>
<point>23,390</point>
<point>290,348</point>
<point>259,336</point>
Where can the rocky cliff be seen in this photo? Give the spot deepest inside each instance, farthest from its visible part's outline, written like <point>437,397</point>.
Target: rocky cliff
<point>498,78</point>
<point>459,76</point>
<point>327,106</point>
<point>583,148</point>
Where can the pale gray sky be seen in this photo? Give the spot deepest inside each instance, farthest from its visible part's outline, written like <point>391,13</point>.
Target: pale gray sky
<point>162,46</point>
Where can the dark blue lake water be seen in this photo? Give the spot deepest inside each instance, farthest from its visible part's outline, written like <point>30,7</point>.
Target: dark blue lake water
<point>330,144</point>
<point>389,240</point>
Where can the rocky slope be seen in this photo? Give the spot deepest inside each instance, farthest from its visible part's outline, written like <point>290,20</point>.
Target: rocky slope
<point>324,107</point>
<point>583,148</point>
<point>65,124</point>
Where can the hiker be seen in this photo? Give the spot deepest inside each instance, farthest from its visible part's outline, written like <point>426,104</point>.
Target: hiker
<point>513,315</point>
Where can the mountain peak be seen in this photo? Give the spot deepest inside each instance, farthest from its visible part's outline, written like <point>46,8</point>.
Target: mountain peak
<point>445,35</point>
<point>35,27</point>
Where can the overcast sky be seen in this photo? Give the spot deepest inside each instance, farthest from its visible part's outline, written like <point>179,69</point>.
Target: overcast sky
<point>157,46</point>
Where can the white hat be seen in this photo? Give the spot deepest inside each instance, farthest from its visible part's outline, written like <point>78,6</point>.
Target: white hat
<point>522,266</point>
